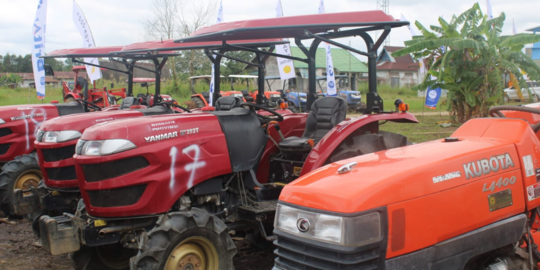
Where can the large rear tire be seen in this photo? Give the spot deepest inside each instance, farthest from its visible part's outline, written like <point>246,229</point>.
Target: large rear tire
<point>186,240</point>
<point>198,102</point>
<point>21,173</point>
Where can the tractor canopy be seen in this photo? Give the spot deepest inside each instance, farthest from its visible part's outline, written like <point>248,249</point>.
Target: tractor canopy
<point>319,28</point>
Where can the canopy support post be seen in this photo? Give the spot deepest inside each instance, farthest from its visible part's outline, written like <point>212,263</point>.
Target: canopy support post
<point>260,79</point>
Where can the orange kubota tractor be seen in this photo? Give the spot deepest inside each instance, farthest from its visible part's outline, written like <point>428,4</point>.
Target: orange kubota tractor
<point>469,201</point>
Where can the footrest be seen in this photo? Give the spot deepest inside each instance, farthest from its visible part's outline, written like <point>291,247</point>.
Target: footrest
<point>60,235</point>
<point>260,207</point>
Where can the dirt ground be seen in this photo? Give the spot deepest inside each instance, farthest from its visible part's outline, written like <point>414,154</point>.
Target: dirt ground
<point>18,252</point>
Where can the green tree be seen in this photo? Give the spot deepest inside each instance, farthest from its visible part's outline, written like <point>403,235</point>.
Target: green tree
<point>469,57</point>
<point>232,67</point>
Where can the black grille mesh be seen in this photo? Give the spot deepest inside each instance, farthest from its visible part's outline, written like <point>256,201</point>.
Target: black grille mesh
<point>5,132</point>
<point>296,255</point>
<point>108,170</point>
<point>116,197</point>
<point>62,173</point>
<point>4,148</point>
<point>57,154</point>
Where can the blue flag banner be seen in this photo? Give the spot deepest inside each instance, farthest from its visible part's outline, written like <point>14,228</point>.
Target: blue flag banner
<point>432,97</point>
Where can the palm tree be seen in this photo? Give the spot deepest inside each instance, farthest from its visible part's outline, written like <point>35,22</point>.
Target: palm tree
<point>469,57</point>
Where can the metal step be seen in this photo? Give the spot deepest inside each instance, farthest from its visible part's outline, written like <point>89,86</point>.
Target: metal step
<point>260,207</point>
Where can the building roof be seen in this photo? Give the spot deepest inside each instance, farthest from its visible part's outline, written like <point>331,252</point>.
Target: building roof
<point>403,63</point>
<point>340,58</point>
<point>534,29</point>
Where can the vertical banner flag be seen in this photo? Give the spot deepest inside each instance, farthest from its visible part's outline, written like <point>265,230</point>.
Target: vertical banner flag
<point>489,10</point>
<point>94,73</point>
<point>212,81</point>
<point>513,27</point>
<point>38,64</point>
<point>330,76</point>
<point>286,66</point>
<point>432,97</point>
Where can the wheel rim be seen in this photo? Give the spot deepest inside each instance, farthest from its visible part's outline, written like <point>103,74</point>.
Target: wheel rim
<point>28,179</point>
<point>194,253</point>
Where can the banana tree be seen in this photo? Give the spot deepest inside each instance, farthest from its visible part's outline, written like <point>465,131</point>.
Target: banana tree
<point>469,57</point>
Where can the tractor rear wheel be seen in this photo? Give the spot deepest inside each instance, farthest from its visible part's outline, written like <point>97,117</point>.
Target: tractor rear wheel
<point>21,173</point>
<point>198,102</point>
<point>186,240</point>
<point>107,257</point>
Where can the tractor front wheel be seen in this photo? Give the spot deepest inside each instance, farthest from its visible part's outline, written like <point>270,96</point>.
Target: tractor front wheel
<point>106,257</point>
<point>21,173</point>
<point>186,240</point>
<point>198,102</point>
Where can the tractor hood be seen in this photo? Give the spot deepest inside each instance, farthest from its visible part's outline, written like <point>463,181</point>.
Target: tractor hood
<point>80,122</point>
<point>36,112</point>
<point>151,129</point>
<point>486,148</point>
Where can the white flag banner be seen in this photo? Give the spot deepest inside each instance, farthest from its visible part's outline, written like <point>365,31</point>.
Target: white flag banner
<point>285,66</point>
<point>212,80</point>
<point>38,64</point>
<point>513,27</point>
<point>94,73</point>
<point>489,10</point>
<point>331,89</point>
<point>321,7</point>
<point>330,78</point>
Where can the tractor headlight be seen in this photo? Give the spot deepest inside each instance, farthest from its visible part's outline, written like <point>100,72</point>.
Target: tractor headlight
<point>356,96</point>
<point>104,148</point>
<point>344,231</point>
<point>39,135</point>
<point>303,99</point>
<point>2,121</point>
<point>60,136</point>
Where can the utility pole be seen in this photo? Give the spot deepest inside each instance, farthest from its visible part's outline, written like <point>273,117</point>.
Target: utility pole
<point>384,5</point>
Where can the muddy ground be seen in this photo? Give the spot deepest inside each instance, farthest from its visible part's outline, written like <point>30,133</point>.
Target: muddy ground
<point>18,251</point>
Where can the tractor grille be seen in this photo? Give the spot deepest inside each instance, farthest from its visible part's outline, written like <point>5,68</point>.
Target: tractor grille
<point>116,197</point>
<point>4,148</point>
<point>62,173</point>
<point>108,170</point>
<point>57,154</point>
<point>5,132</point>
<point>294,254</point>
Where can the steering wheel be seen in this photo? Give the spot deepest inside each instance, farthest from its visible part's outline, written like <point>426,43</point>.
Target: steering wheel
<point>252,106</point>
<point>176,105</point>
<point>495,111</point>
<point>88,104</point>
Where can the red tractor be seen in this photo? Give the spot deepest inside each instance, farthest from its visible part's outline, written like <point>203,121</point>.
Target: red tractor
<point>100,97</point>
<point>56,139</point>
<point>19,125</point>
<point>271,97</point>
<point>166,192</point>
<point>202,99</point>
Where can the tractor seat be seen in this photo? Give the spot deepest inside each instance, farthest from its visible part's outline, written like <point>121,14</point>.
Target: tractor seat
<point>227,103</point>
<point>325,114</point>
<point>128,102</point>
<point>69,108</point>
<point>206,95</point>
<point>247,96</point>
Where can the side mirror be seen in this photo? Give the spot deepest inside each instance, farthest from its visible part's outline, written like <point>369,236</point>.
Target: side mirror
<point>144,84</point>
<point>112,85</point>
